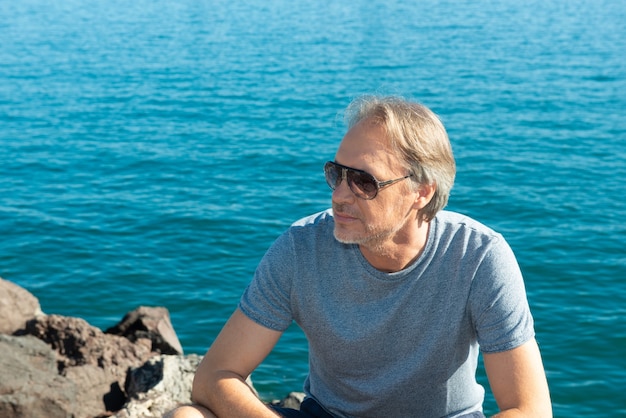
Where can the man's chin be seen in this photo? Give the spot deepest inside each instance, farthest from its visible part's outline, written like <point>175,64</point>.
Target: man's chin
<point>344,238</point>
<point>372,241</point>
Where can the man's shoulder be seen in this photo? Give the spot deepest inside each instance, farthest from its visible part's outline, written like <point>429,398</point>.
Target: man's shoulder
<point>316,219</point>
<point>451,222</point>
<point>311,229</point>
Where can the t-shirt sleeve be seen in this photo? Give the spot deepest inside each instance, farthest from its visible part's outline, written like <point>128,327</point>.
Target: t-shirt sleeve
<point>266,300</point>
<point>498,302</point>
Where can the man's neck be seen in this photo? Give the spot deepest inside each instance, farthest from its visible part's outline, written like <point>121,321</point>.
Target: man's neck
<point>398,252</point>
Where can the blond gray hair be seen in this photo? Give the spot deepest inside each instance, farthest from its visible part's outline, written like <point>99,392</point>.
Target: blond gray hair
<point>418,137</point>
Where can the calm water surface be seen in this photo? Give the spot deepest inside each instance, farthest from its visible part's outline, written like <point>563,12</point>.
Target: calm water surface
<point>152,151</point>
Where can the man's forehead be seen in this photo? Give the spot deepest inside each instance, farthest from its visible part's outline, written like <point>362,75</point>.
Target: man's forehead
<point>368,152</point>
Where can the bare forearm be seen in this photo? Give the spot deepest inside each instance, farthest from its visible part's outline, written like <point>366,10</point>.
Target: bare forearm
<point>227,394</point>
<point>518,382</point>
<point>219,383</point>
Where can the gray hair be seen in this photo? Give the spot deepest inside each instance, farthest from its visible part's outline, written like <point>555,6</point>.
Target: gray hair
<point>418,137</point>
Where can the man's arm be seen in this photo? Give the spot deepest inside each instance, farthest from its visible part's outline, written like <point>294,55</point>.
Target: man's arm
<point>518,382</point>
<point>219,383</point>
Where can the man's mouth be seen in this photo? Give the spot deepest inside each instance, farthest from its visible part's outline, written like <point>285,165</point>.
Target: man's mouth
<point>341,215</point>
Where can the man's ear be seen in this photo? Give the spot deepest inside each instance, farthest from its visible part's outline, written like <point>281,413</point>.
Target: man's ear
<point>425,193</point>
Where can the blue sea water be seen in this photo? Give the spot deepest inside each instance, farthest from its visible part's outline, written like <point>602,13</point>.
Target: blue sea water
<point>152,150</point>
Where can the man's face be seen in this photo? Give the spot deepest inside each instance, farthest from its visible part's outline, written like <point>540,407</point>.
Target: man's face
<point>372,223</point>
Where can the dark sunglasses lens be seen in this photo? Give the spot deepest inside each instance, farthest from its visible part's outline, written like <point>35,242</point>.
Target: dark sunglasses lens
<point>362,184</point>
<point>332,174</point>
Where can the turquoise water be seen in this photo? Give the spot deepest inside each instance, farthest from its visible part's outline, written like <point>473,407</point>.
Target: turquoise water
<point>152,150</point>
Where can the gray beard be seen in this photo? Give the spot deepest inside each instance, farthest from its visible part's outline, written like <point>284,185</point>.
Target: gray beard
<point>373,241</point>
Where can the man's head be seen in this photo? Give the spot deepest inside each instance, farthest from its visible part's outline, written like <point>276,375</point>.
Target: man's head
<point>392,172</point>
<point>417,138</point>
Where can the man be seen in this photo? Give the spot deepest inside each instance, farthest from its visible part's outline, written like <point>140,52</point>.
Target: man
<point>394,295</point>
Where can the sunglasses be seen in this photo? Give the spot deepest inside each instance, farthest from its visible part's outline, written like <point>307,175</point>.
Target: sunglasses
<point>361,183</point>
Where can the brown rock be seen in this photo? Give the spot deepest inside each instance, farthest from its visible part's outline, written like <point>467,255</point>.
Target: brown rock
<point>62,367</point>
<point>30,385</point>
<point>17,306</point>
<point>153,323</point>
<point>80,343</point>
<point>96,362</point>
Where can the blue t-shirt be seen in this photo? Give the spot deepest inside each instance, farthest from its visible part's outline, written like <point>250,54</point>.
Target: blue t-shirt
<point>402,344</point>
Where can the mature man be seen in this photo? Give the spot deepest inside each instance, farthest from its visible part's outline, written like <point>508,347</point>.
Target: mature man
<point>395,295</point>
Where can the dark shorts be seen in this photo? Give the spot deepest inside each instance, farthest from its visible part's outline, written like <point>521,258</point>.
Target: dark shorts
<point>311,409</point>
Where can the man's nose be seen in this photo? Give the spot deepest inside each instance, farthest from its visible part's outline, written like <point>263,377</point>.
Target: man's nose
<point>342,192</point>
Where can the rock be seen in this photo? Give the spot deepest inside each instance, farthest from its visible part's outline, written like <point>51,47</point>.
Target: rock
<point>17,306</point>
<point>159,385</point>
<point>30,385</point>
<point>96,362</point>
<point>79,343</point>
<point>292,400</point>
<point>153,323</point>
<point>62,367</point>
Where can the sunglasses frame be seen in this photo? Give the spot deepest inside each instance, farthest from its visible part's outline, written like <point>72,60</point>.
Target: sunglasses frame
<point>345,170</point>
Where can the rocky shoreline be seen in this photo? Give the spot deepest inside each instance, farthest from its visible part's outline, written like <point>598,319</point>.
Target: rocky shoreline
<point>57,366</point>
